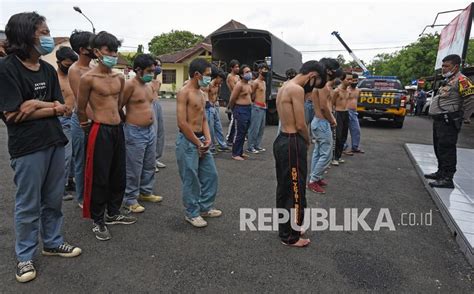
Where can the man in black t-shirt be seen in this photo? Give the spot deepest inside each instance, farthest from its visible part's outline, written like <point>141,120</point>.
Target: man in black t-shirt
<point>30,101</point>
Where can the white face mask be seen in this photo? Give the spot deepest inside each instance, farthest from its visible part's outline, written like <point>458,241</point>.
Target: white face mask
<point>448,74</point>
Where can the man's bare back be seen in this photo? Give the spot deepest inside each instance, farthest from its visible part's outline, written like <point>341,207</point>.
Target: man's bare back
<point>138,98</point>
<point>290,102</point>
<point>102,91</point>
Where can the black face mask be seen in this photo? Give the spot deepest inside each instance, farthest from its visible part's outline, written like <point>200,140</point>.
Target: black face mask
<point>91,55</point>
<point>354,85</point>
<point>265,74</point>
<point>308,88</point>
<point>64,69</point>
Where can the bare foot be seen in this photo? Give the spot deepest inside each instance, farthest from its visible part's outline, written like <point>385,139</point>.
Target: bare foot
<point>300,243</point>
<point>238,158</point>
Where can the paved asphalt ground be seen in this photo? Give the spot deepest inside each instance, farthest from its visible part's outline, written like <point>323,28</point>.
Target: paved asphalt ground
<point>162,253</point>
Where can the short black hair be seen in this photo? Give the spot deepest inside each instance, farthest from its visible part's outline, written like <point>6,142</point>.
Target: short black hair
<point>198,65</point>
<point>143,61</point>
<point>314,66</point>
<point>453,58</point>
<point>262,65</point>
<point>345,74</point>
<point>80,39</point>
<point>355,75</point>
<point>290,72</point>
<point>20,31</point>
<point>104,39</point>
<point>64,53</point>
<point>221,74</point>
<point>330,63</point>
<point>241,70</point>
<point>233,63</point>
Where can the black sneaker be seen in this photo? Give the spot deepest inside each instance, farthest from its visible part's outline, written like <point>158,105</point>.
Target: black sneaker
<point>120,219</point>
<point>67,197</point>
<point>443,183</point>
<point>433,176</point>
<point>63,250</point>
<point>101,232</point>
<point>25,271</point>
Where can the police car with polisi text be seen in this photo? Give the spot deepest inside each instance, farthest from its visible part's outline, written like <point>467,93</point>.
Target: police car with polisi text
<point>382,97</point>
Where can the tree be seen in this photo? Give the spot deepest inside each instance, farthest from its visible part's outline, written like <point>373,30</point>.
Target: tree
<point>140,49</point>
<point>412,62</point>
<point>173,41</point>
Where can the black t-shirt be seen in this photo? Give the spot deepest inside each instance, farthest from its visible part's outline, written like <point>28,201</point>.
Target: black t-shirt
<point>18,84</point>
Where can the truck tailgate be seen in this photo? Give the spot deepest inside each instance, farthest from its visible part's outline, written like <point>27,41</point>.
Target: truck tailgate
<point>379,99</point>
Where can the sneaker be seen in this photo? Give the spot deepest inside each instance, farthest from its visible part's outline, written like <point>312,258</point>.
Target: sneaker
<point>157,169</point>
<point>260,149</point>
<point>229,144</point>
<point>341,160</point>
<point>160,164</point>
<point>101,232</point>
<point>68,197</point>
<point>150,198</point>
<point>80,205</point>
<point>322,183</point>
<point>349,153</point>
<point>212,213</point>
<point>442,183</point>
<point>63,250</point>
<point>137,208</point>
<point>197,222</point>
<point>213,151</point>
<point>433,176</point>
<point>316,188</point>
<point>25,271</point>
<point>223,149</point>
<point>120,219</point>
<point>252,150</point>
<point>335,162</point>
<point>358,151</point>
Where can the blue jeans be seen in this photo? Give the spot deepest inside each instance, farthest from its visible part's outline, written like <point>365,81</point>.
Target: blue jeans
<point>257,125</point>
<point>354,129</point>
<point>308,111</point>
<point>66,124</point>
<point>242,115</point>
<point>140,148</point>
<point>218,132</point>
<point>160,129</point>
<point>78,155</point>
<point>198,176</point>
<point>39,179</point>
<point>210,115</point>
<point>322,152</point>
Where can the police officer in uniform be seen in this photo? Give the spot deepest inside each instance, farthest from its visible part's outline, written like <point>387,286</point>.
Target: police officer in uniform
<point>446,109</point>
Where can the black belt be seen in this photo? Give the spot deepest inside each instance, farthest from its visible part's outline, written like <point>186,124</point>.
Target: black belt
<point>443,116</point>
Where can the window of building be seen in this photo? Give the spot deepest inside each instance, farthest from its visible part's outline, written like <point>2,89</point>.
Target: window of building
<point>169,76</point>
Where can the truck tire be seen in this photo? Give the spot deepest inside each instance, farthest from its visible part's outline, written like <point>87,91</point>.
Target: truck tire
<point>398,122</point>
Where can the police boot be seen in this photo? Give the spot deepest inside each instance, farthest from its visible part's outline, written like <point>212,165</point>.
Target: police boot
<point>443,183</point>
<point>433,176</point>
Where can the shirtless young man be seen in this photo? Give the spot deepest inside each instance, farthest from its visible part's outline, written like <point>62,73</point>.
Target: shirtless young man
<point>321,130</point>
<point>65,57</point>
<point>80,43</point>
<point>240,102</point>
<point>290,150</point>
<point>196,165</point>
<point>340,99</point>
<point>232,79</point>
<point>215,126</point>
<point>259,109</point>
<point>104,184</point>
<point>354,126</point>
<point>140,135</point>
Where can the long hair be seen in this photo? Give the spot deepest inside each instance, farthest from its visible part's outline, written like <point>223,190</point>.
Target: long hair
<point>20,31</point>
